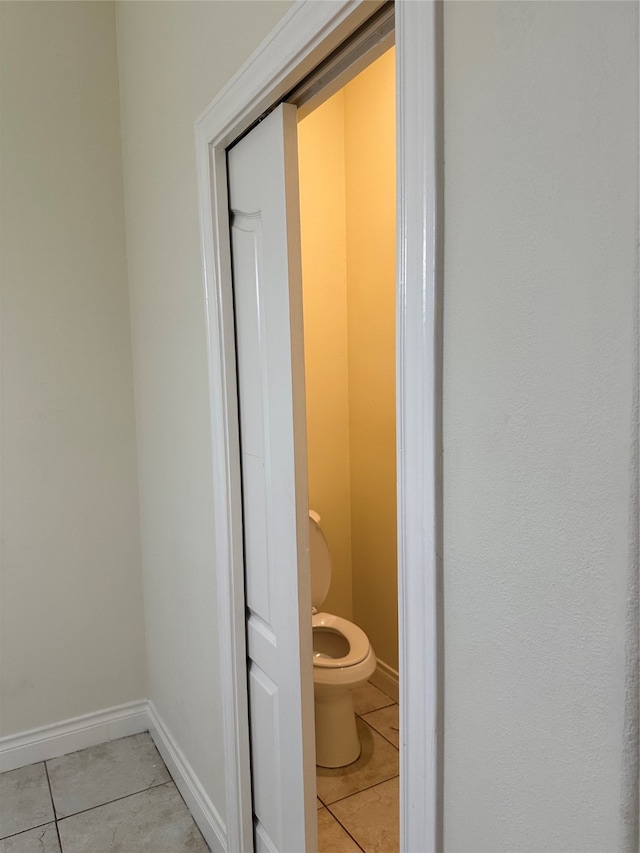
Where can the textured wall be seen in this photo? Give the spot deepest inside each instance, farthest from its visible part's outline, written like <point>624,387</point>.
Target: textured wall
<point>540,434</point>
<point>174,57</point>
<point>72,636</point>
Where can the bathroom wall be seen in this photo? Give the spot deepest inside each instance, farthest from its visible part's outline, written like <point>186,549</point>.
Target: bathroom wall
<point>71,614</point>
<point>347,179</point>
<point>324,263</point>
<point>370,169</point>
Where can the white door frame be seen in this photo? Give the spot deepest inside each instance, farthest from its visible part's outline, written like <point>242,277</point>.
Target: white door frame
<point>305,36</point>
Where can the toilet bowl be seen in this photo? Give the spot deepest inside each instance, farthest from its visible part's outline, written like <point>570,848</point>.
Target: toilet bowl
<point>342,659</point>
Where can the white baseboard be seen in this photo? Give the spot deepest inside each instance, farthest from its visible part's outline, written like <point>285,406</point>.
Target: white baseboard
<point>68,736</point>
<point>386,679</point>
<point>203,810</point>
<point>58,739</point>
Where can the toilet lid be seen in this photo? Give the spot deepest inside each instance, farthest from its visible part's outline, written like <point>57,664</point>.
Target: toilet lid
<point>319,562</point>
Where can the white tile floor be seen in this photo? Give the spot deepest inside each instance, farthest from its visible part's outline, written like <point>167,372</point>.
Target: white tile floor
<point>358,805</point>
<point>113,798</point>
<point>119,797</point>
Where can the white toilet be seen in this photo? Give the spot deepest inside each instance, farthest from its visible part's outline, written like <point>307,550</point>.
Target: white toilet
<point>342,659</point>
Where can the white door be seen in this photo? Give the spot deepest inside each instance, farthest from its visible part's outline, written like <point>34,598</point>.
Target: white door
<point>265,242</point>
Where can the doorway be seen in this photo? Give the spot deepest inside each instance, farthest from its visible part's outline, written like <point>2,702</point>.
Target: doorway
<point>347,159</point>
<point>308,33</point>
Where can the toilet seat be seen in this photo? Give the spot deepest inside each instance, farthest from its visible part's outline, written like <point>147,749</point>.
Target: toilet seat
<point>359,646</point>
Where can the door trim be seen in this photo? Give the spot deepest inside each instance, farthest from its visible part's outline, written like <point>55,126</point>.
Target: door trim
<point>308,33</point>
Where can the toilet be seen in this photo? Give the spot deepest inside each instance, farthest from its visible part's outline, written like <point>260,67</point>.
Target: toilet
<point>342,659</point>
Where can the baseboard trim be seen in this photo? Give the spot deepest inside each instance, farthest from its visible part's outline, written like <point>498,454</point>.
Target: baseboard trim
<point>58,739</point>
<point>386,678</point>
<point>203,810</point>
<point>48,742</point>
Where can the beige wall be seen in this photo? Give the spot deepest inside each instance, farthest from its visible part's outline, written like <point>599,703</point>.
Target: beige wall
<point>72,622</point>
<point>174,57</point>
<point>347,178</point>
<point>371,221</point>
<point>540,432</point>
<point>324,264</point>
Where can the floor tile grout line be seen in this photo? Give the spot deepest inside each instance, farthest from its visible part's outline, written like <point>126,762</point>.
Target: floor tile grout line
<point>373,710</point>
<point>381,735</point>
<point>339,822</point>
<point>53,805</point>
<point>171,779</point>
<point>391,704</point>
<point>337,819</point>
<point>359,846</point>
<point>30,829</point>
<point>353,793</point>
<point>379,708</point>
<point>55,819</point>
<point>327,806</point>
<point>117,799</point>
<point>390,742</point>
<point>106,743</point>
<point>355,841</point>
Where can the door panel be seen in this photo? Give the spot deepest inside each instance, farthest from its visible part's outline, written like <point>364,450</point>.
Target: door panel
<point>263,195</point>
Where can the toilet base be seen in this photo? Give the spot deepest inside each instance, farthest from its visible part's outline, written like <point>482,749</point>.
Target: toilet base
<point>337,741</point>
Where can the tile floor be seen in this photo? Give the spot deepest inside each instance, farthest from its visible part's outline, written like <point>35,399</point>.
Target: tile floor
<point>119,797</point>
<point>114,798</point>
<point>358,804</point>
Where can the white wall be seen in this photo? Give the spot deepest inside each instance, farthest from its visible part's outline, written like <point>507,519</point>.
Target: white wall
<point>540,491</point>
<point>72,637</point>
<point>174,57</point>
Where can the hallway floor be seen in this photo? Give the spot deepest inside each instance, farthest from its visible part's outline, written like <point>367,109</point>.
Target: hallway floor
<point>358,804</point>
<point>118,796</point>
